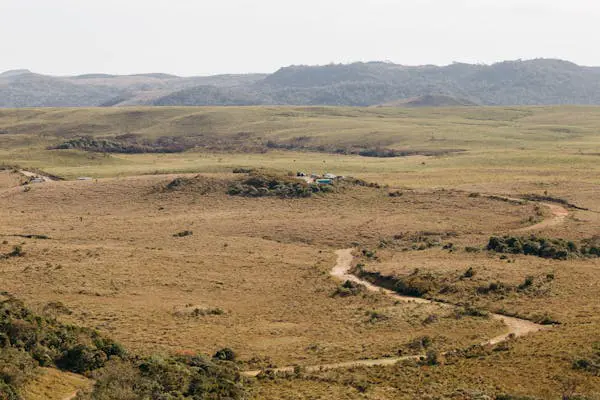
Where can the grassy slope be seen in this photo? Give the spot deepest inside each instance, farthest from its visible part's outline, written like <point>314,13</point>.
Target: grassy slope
<point>52,384</point>
<point>526,144</point>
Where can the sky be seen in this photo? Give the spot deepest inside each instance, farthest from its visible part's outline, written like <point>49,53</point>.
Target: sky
<point>205,37</point>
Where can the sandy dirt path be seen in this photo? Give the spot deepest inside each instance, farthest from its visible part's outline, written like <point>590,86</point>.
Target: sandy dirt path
<point>34,175</point>
<point>559,214</point>
<point>516,327</point>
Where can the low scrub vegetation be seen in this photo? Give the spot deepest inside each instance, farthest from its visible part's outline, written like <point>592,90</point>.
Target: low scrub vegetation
<point>129,144</point>
<point>349,288</point>
<point>28,340</point>
<point>558,249</point>
<point>414,285</point>
<point>183,234</point>
<point>550,199</point>
<point>17,251</point>
<point>198,184</point>
<point>386,153</point>
<point>264,185</point>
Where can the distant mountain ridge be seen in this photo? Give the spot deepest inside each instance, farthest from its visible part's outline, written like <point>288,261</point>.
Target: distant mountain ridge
<point>530,82</point>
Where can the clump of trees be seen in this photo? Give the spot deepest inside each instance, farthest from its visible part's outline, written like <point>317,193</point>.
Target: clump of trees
<point>29,340</point>
<point>558,249</point>
<point>264,185</point>
<point>128,144</point>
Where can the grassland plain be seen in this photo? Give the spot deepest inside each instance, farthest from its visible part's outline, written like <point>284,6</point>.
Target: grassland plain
<point>254,275</point>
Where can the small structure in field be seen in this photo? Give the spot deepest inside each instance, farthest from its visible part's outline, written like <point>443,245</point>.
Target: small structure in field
<point>324,181</point>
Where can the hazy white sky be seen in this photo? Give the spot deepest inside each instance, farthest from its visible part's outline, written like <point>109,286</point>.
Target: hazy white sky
<point>200,37</point>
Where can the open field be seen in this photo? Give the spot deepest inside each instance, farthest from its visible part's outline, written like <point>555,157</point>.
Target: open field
<point>254,274</point>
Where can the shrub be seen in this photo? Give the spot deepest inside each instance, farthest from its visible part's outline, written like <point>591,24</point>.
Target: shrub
<point>558,249</point>
<point>190,377</point>
<point>469,273</point>
<point>376,316</point>
<point>81,359</point>
<point>348,288</point>
<point>51,343</point>
<point>527,283</point>
<point>431,358</point>
<point>183,234</point>
<point>416,285</point>
<point>420,343</point>
<point>26,339</point>
<point>8,392</point>
<point>16,367</point>
<point>128,144</point>
<point>369,253</point>
<point>493,287</point>
<point>470,311</point>
<point>17,251</point>
<point>263,185</point>
<point>225,354</point>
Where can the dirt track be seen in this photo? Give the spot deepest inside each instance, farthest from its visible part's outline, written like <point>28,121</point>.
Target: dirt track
<point>559,214</point>
<point>516,327</point>
<point>34,175</point>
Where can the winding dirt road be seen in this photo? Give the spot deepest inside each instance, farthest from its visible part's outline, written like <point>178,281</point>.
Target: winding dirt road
<point>559,214</point>
<point>516,327</point>
<point>34,175</point>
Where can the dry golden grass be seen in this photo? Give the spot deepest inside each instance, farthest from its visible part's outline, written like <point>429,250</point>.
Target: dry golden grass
<point>51,384</point>
<point>112,259</point>
<point>10,179</point>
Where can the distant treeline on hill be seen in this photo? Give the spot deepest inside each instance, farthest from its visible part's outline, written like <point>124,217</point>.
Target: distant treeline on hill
<point>532,82</point>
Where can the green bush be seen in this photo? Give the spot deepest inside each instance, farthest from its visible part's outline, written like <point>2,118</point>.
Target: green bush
<point>263,185</point>
<point>416,285</point>
<point>348,288</point>
<point>8,392</point>
<point>183,234</point>
<point>557,249</point>
<point>225,354</point>
<point>158,378</point>
<point>28,340</point>
<point>81,359</point>
<point>469,273</point>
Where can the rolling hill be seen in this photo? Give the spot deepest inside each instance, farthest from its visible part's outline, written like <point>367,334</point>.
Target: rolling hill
<point>531,82</point>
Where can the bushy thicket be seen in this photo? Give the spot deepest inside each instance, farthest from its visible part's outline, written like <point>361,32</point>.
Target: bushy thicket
<point>158,378</point>
<point>263,185</point>
<point>558,249</point>
<point>127,144</point>
<point>388,153</point>
<point>348,288</point>
<point>415,285</point>
<point>28,340</point>
<point>50,343</point>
